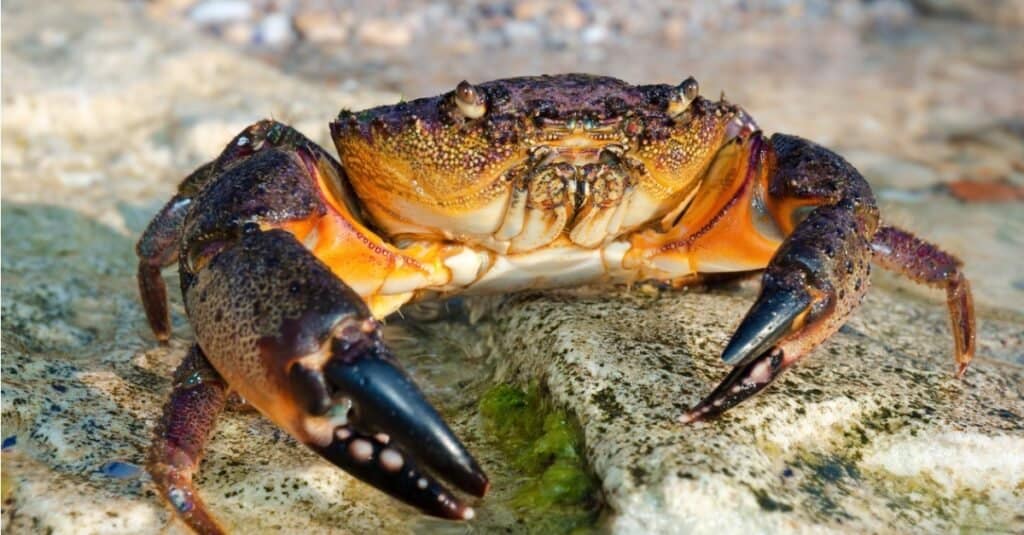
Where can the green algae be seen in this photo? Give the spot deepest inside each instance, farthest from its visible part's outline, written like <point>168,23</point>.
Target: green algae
<point>556,493</point>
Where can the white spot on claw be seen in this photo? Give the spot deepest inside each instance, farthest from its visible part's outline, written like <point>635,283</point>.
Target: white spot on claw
<point>391,460</point>
<point>760,374</point>
<point>421,483</point>
<point>468,514</point>
<point>361,450</point>
<point>242,141</point>
<point>343,433</point>
<point>383,438</point>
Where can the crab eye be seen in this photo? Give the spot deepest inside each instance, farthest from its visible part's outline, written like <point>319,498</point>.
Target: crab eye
<point>689,88</point>
<point>682,96</point>
<point>469,100</point>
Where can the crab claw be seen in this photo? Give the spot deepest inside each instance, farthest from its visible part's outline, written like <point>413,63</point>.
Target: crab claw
<point>816,278</point>
<point>771,318</point>
<point>380,425</point>
<point>302,347</point>
<point>365,415</point>
<point>386,399</point>
<point>756,348</point>
<point>374,461</point>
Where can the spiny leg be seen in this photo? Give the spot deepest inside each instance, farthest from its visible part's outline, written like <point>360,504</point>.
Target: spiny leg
<point>900,251</point>
<point>816,278</point>
<point>189,418</point>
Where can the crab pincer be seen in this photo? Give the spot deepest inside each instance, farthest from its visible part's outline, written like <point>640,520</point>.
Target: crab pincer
<point>319,369</point>
<point>820,273</point>
<point>299,345</point>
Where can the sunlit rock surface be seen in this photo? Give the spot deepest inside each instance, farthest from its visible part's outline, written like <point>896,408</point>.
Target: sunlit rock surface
<point>106,109</point>
<point>870,433</point>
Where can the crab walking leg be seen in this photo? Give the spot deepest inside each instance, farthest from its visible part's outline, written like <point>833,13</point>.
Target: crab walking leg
<point>815,279</point>
<point>900,251</point>
<point>189,418</point>
<point>158,248</point>
<point>303,348</point>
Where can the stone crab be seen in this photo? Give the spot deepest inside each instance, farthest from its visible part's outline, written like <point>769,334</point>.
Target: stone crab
<point>289,259</point>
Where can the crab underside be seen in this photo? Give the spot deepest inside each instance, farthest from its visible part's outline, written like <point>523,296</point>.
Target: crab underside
<point>288,258</point>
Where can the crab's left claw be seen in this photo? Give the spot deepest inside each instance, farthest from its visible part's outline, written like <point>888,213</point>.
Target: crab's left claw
<point>820,273</point>
<point>756,348</point>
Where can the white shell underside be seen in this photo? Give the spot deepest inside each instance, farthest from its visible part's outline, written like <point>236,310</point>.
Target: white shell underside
<point>551,267</point>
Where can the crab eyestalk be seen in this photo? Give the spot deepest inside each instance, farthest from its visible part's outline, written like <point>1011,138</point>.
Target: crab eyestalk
<point>682,96</point>
<point>469,101</point>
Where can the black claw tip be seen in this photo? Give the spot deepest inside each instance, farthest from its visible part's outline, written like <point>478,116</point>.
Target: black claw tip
<point>765,324</point>
<point>375,461</point>
<point>741,383</point>
<point>385,399</point>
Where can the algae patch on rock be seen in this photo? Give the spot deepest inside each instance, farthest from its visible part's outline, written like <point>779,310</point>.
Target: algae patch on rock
<point>558,494</point>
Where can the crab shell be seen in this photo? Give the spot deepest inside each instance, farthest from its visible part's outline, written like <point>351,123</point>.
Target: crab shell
<point>595,158</point>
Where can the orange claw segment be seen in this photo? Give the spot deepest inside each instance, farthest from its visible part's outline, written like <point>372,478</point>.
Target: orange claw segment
<point>384,276</point>
<point>722,230</point>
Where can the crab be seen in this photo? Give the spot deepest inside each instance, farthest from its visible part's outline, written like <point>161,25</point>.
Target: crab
<point>290,259</point>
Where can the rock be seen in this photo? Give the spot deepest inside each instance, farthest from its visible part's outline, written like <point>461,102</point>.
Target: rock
<point>385,32</point>
<point>886,170</point>
<point>870,433</point>
<point>320,27</point>
<point>275,30</point>
<point>221,11</point>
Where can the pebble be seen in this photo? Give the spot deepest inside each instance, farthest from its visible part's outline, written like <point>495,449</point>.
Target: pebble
<point>275,30</point>
<point>120,470</point>
<point>320,27</point>
<point>221,11</point>
<point>593,35</point>
<point>384,32</point>
<point>529,9</point>
<point>570,17</point>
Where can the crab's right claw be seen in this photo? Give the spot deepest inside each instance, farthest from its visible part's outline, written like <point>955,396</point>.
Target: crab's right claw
<point>381,425</point>
<point>311,358</point>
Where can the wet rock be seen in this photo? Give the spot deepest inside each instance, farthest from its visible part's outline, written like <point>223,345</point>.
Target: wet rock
<point>870,433</point>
